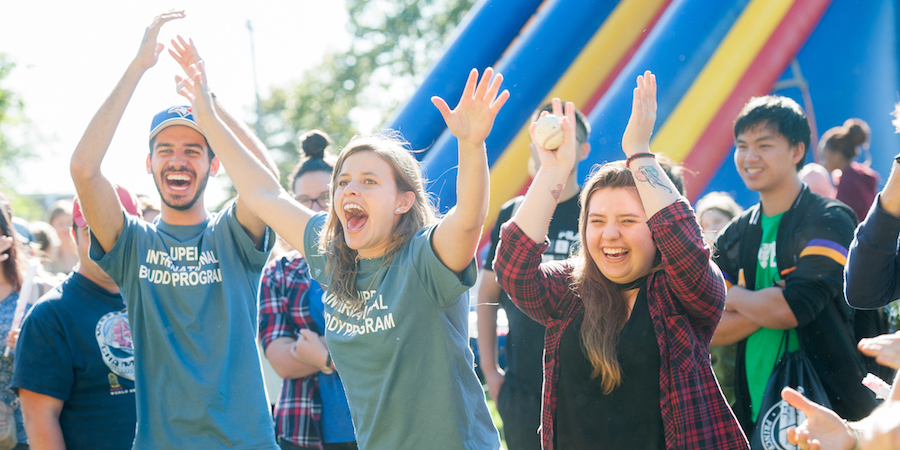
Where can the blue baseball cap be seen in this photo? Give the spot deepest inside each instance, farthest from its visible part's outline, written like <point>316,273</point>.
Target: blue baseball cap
<point>176,115</point>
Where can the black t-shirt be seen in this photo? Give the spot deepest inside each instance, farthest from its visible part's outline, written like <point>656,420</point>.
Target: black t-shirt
<point>629,416</point>
<point>525,340</point>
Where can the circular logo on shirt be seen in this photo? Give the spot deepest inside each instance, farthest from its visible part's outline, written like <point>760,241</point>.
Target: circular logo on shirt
<point>775,423</point>
<point>114,339</point>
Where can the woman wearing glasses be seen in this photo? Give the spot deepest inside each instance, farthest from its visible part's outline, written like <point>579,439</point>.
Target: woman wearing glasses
<point>292,326</point>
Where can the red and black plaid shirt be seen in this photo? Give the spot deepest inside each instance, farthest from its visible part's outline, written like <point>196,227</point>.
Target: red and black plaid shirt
<point>283,312</point>
<point>686,301</point>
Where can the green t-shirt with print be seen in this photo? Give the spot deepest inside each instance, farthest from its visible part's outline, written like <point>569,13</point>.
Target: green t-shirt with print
<point>764,347</point>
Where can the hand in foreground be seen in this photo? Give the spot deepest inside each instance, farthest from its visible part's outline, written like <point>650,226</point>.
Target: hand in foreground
<point>823,428</point>
<point>309,347</point>
<point>564,156</point>
<point>196,90</point>
<point>885,349</point>
<point>472,119</point>
<point>149,52</point>
<point>643,116</point>
<point>185,54</point>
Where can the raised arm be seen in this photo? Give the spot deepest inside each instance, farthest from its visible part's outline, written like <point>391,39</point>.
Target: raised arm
<point>456,237</point>
<point>185,53</point>
<point>533,217</point>
<point>873,262</point>
<point>99,202</point>
<point>655,188</point>
<point>256,185</point>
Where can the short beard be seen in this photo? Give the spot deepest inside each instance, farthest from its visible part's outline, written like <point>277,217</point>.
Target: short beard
<point>201,188</point>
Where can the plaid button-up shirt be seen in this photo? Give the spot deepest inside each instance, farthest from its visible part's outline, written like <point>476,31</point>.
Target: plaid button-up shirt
<point>283,312</point>
<point>686,301</point>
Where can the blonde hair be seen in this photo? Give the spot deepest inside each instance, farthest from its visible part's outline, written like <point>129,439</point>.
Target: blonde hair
<point>341,259</point>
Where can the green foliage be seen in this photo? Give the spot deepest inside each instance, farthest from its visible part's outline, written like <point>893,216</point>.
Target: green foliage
<point>11,153</point>
<point>13,129</point>
<point>393,43</point>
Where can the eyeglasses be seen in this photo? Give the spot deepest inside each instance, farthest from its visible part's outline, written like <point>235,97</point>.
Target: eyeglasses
<point>308,202</point>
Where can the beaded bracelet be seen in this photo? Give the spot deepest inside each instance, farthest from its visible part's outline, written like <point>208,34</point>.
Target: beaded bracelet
<point>638,156</point>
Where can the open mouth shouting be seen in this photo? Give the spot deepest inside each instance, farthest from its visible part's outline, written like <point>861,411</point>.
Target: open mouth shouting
<point>356,217</point>
<point>178,181</point>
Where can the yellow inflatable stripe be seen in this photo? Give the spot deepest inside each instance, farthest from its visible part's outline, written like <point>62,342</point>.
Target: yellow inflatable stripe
<point>825,251</point>
<point>678,136</point>
<point>596,61</point>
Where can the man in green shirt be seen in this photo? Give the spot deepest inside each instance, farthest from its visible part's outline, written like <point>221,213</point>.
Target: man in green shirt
<point>783,261</point>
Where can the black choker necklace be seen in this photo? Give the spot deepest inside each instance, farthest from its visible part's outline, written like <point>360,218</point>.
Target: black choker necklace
<point>633,284</point>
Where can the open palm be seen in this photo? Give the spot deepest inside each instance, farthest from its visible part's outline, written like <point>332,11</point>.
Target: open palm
<point>472,119</point>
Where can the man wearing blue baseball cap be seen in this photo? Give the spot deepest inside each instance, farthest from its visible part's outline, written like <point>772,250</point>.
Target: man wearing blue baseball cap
<point>188,280</point>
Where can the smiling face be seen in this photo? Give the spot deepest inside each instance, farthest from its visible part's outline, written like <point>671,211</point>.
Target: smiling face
<point>181,167</point>
<point>366,201</point>
<point>617,236</point>
<point>766,160</point>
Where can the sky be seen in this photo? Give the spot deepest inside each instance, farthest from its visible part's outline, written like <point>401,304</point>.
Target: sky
<point>69,55</point>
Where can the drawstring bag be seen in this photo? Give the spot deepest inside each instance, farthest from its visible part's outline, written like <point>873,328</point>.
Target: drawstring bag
<point>8,438</point>
<point>775,414</point>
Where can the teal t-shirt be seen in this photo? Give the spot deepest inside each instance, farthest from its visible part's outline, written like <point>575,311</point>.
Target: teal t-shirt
<point>404,359</point>
<point>764,347</point>
<point>190,291</point>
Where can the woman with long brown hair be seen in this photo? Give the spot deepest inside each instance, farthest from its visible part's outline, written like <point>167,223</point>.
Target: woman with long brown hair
<point>630,317</point>
<point>12,276</point>
<point>396,315</point>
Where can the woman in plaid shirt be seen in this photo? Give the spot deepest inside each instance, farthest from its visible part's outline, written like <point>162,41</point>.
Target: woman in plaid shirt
<point>630,318</point>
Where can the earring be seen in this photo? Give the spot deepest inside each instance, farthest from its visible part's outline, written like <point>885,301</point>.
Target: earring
<point>397,211</point>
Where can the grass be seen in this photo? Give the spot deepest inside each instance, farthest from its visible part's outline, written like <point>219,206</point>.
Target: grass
<point>498,422</point>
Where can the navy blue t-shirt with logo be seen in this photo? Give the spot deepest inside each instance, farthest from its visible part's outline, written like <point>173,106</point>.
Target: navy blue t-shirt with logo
<point>76,346</point>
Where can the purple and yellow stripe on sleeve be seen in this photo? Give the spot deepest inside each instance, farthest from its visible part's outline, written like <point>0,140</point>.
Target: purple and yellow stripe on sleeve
<point>829,249</point>
<point>728,281</point>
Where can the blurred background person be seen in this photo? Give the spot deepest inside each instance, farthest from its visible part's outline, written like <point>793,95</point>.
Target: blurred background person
<point>856,183</point>
<point>149,207</point>
<point>64,257</point>
<point>312,409</point>
<point>12,277</point>
<point>714,211</point>
<point>818,178</point>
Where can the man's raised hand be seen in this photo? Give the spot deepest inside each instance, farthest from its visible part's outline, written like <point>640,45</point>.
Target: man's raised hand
<point>149,52</point>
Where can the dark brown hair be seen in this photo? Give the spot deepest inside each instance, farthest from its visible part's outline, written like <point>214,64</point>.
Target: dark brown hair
<point>11,267</point>
<point>314,158</point>
<point>848,138</point>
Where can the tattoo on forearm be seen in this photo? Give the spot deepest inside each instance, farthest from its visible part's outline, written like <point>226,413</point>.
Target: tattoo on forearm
<point>556,192</point>
<point>649,174</point>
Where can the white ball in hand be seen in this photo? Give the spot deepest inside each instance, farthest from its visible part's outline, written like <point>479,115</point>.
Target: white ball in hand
<point>548,132</point>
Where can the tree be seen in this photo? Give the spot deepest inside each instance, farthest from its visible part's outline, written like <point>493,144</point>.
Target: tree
<point>393,43</point>
<point>13,149</point>
<point>11,107</point>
